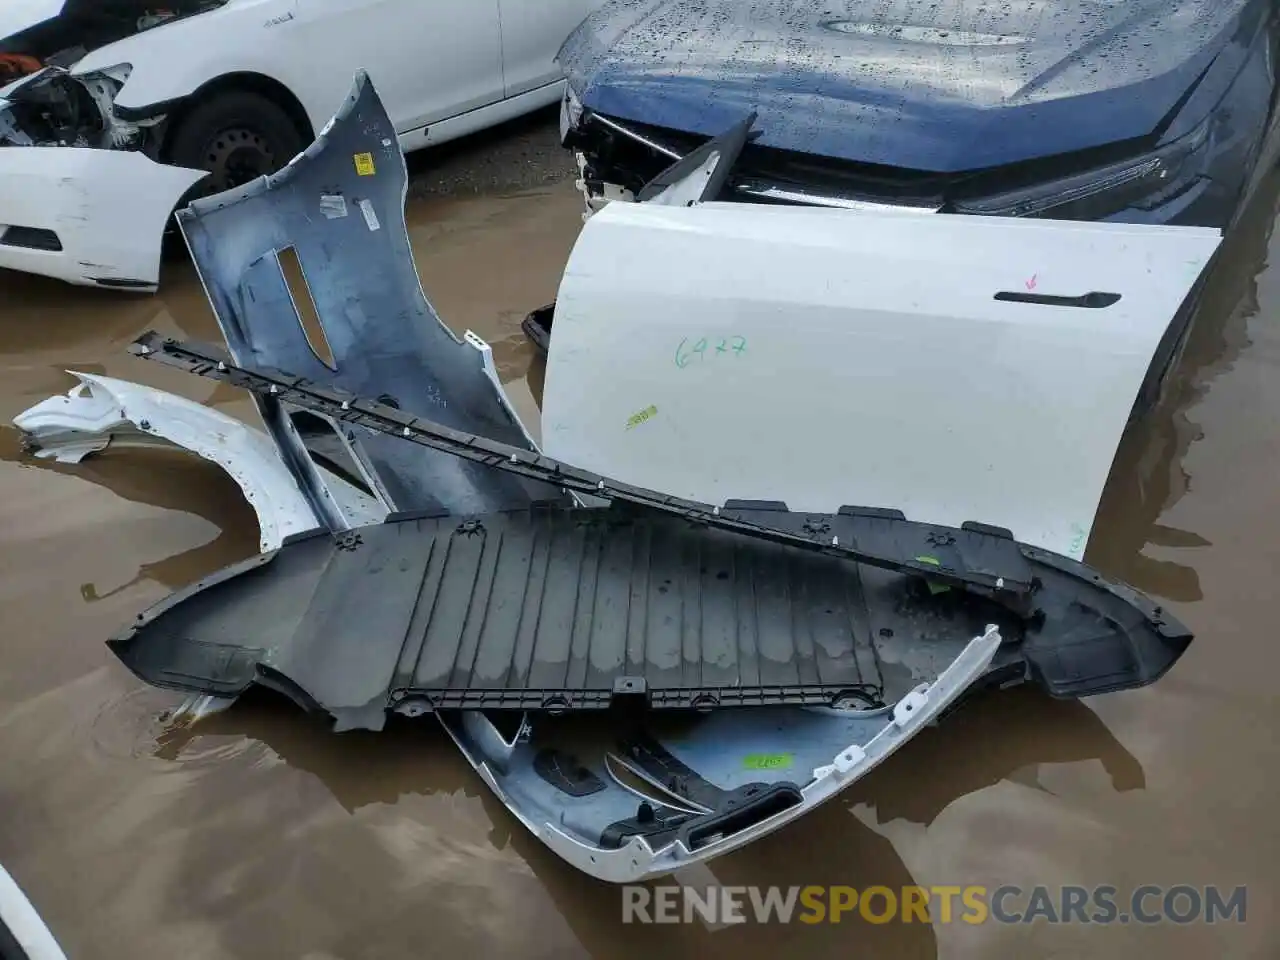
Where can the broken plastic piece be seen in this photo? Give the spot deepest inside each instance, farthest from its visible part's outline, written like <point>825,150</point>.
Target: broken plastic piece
<point>101,411</point>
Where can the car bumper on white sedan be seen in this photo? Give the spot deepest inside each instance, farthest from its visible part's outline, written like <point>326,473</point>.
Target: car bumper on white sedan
<point>87,216</point>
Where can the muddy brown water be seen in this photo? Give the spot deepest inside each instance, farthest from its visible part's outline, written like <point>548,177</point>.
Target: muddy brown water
<point>259,834</point>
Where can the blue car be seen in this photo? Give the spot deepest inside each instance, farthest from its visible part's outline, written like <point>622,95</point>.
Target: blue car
<point>1142,111</point>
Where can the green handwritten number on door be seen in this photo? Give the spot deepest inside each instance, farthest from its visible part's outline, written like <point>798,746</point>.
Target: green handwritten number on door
<point>703,348</point>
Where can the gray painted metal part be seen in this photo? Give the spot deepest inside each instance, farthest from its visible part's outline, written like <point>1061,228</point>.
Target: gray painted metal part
<point>339,207</point>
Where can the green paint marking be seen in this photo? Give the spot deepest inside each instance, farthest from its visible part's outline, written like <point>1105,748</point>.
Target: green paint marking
<point>643,416</point>
<point>766,761</point>
<point>934,588</point>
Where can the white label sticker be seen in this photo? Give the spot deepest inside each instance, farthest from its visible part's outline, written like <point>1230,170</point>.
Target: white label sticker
<point>370,217</point>
<point>333,206</point>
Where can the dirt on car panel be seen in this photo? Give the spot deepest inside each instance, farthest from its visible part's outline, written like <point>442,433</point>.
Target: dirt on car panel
<point>261,834</point>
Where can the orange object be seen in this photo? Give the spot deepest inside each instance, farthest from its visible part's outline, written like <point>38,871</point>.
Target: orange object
<point>15,65</point>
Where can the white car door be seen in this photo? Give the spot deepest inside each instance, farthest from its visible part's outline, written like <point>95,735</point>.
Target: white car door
<point>428,59</point>
<point>532,32</point>
<point>953,367</point>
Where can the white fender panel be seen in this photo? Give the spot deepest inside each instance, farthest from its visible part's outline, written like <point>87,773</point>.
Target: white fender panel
<point>829,357</point>
<point>24,923</point>
<point>107,208</point>
<point>100,409</point>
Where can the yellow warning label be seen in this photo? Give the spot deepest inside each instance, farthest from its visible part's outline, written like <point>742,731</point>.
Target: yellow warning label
<point>364,164</point>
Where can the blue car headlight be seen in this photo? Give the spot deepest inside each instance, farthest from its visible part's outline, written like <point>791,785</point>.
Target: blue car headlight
<point>1144,182</point>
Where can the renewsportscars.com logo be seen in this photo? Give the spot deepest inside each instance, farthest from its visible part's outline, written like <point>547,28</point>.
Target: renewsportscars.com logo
<point>1148,904</point>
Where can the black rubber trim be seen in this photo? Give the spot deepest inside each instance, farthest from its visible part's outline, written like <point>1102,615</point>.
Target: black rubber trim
<point>122,283</point>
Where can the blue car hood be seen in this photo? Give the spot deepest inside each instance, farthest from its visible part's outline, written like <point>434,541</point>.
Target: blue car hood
<point>909,83</point>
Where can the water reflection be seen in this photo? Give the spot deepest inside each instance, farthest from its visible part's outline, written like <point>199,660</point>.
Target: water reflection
<point>170,480</point>
<point>1147,476</point>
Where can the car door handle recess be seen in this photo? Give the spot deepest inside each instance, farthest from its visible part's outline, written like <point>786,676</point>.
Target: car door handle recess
<point>1094,300</point>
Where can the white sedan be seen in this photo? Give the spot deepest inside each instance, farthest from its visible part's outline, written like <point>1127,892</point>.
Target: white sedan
<point>142,109</point>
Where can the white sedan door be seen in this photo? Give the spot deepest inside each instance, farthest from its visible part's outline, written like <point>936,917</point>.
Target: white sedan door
<point>532,32</point>
<point>954,367</point>
<point>428,59</point>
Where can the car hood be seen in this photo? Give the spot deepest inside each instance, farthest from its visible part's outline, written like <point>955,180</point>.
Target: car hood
<point>908,83</point>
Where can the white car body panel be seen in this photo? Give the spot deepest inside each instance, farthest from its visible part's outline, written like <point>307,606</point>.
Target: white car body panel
<point>108,209</point>
<point>858,357</point>
<point>102,411</point>
<point>531,36</point>
<point>19,916</point>
<point>483,118</point>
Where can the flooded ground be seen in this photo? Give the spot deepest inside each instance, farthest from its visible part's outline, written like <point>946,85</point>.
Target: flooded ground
<point>261,835</point>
